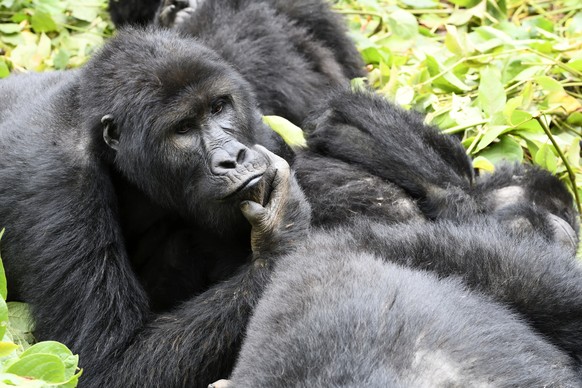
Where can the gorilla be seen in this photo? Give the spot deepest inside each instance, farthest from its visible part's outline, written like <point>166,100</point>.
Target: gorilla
<point>374,306</point>
<point>291,52</point>
<point>130,188</point>
<point>155,128</point>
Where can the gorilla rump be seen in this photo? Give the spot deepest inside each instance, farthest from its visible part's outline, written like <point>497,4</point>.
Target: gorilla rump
<point>291,52</point>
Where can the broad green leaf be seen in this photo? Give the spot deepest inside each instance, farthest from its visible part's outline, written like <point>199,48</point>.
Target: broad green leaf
<point>69,360</point>
<point>457,41</point>
<point>491,93</point>
<point>420,3</point>
<point>482,163</point>
<point>291,134</point>
<point>506,149</point>
<point>3,287</point>
<point>61,59</point>
<point>549,84</point>
<point>44,47</point>
<point>12,380</point>
<point>42,22</point>
<point>545,158</point>
<point>3,317</point>
<point>466,3</point>
<point>446,81</point>
<point>575,118</point>
<point>6,348</point>
<point>493,132</point>
<point>45,367</point>
<point>87,13</point>
<point>4,70</point>
<point>403,24</point>
<point>573,152</point>
<point>404,95</point>
<point>21,324</point>
<point>10,28</point>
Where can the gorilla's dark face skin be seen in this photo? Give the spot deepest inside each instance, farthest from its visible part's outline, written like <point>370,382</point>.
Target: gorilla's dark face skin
<point>181,129</point>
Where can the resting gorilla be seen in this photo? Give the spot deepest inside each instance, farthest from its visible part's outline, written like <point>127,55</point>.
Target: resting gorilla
<point>291,52</point>
<point>335,315</point>
<point>155,139</point>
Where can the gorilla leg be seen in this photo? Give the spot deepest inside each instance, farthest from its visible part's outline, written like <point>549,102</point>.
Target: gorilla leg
<point>367,131</point>
<point>340,192</point>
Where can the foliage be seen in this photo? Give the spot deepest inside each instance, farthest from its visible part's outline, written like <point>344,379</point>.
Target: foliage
<point>504,75</point>
<point>45,364</point>
<point>50,34</point>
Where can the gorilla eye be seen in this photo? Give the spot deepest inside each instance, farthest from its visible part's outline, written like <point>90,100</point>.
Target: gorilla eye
<point>183,129</point>
<point>218,104</point>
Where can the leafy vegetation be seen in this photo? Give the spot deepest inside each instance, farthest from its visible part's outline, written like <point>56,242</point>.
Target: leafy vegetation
<point>50,34</point>
<point>506,76</point>
<point>22,364</point>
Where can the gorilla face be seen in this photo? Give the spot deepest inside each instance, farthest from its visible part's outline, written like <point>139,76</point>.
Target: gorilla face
<point>182,128</point>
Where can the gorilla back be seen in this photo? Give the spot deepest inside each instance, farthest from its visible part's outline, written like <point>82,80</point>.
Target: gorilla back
<point>141,140</point>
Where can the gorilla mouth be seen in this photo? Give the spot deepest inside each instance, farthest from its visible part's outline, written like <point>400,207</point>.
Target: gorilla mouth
<point>247,185</point>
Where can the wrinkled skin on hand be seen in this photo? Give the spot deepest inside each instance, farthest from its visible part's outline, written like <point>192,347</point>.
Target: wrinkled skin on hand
<point>277,210</point>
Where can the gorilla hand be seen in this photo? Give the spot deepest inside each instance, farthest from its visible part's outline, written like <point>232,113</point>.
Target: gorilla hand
<point>175,12</point>
<point>276,209</point>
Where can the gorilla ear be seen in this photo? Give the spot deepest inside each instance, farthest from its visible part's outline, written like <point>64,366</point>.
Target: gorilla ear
<point>110,132</point>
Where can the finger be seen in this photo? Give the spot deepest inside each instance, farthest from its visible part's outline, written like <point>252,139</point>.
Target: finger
<point>253,212</point>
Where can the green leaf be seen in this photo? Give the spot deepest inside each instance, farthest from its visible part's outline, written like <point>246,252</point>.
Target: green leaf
<point>61,59</point>
<point>45,367</point>
<point>403,24</point>
<point>446,81</point>
<point>420,3</point>
<point>575,118</point>
<point>483,163</point>
<point>3,287</point>
<point>545,158</point>
<point>10,28</point>
<point>42,22</point>
<point>4,70</point>
<point>549,84</point>
<point>466,3</point>
<point>506,149</point>
<point>69,360</point>
<point>85,12</point>
<point>291,134</point>
<point>6,348</point>
<point>492,96</point>
<point>21,324</point>
<point>493,132</point>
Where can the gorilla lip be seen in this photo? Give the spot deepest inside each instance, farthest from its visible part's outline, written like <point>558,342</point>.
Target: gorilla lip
<point>246,184</point>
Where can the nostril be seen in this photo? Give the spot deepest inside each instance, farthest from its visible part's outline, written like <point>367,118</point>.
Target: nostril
<point>241,155</point>
<point>227,164</point>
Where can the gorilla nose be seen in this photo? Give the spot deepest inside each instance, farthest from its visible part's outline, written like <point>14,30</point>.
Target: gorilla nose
<point>228,158</point>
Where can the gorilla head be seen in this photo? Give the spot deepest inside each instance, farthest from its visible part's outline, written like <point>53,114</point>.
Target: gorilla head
<point>179,122</point>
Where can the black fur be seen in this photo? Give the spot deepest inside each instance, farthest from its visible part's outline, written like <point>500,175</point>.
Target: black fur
<point>291,52</point>
<point>376,306</point>
<point>77,211</point>
<point>112,223</point>
<point>136,12</point>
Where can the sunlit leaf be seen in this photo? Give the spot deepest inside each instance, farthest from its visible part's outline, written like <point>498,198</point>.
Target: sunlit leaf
<point>291,134</point>
<point>42,22</point>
